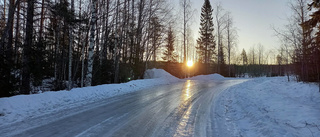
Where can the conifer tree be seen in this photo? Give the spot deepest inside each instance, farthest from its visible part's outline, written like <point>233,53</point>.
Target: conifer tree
<point>169,54</point>
<point>206,42</point>
<point>311,51</point>
<point>244,57</point>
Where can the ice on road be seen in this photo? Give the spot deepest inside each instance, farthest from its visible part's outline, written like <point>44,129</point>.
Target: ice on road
<point>179,109</point>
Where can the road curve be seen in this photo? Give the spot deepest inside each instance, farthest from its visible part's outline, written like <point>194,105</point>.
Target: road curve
<point>180,109</point>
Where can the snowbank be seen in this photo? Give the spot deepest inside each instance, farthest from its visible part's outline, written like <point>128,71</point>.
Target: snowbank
<point>269,107</point>
<point>17,108</point>
<point>209,77</point>
<point>158,73</point>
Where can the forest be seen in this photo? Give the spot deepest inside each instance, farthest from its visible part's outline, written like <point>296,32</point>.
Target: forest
<point>52,45</point>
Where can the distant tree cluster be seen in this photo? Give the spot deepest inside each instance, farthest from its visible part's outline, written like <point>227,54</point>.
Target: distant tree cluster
<point>61,44</point>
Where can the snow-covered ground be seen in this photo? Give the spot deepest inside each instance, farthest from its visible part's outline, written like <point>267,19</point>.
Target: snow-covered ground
<point>257,107</point>
<point>269,107</point>
<point>19,107</point>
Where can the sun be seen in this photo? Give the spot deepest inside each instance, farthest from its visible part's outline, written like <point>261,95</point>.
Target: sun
<point>190,63</point>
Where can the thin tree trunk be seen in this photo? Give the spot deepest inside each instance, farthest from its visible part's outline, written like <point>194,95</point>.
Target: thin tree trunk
<point>57,52</point>
<point>92,43</point>
<point>27,49</point>
<point>79,52</point>
<point>9,48</point>
<point>149,36</point>
<point>117,37</point>
<point>184,34</point>
<point>102,44</point>
<point>82,63</point>
<point>41,20</point>
<point>229,43</point>
<point>17,35</point>
<point>84,53</point>
<point>70,49</point>
<point>131,34</point>
<point>107,31</point>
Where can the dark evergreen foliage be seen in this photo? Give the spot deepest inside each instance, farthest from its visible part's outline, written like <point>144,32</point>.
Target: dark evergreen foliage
<point>307,59</point>
<point>206,42</point>
<point>169,54</point>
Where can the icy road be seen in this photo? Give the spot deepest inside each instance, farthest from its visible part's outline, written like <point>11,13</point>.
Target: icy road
<point>181,109</point>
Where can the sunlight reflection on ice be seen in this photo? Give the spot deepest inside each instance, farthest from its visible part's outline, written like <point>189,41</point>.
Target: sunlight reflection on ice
<point>186,94</point>
<point>185,109</point>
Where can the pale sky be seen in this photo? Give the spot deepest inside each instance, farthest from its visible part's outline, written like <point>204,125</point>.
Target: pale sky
<point>252,18</point>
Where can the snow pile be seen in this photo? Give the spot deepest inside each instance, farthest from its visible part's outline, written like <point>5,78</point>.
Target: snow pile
<point>17,108</point>
<point>269,107</point>
<point>209,77</point>
<point>158,73</point>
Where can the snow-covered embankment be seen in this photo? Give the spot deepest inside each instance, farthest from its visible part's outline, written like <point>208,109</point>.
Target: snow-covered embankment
<point>269,107</point>
<point>17,108</point>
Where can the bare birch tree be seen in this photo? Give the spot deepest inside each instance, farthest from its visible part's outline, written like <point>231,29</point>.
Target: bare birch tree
<point>187,14</point>
<point>92,42</point>
<point>221,26</point>
<point>231,38</point>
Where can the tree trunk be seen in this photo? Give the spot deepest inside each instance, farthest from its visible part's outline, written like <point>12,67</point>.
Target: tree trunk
<point>184,31</point>
<point>70,49</point>
<point>57,53</point>
<point>132,33</point>
<point>27,49</point>
<point>41,20</point>
<point>17,44</point>
<point>229,45</point>
<point>82,63</point>
<point>107,31</point>
<point>116,46</point>
<point>102,44</point>
<point>9,49</point>
<point>92,42</point>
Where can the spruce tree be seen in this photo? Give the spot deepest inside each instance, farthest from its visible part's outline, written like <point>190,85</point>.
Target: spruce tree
<point>244,57</point>
<point>169,54</point>
<point>311,49</point>
<point>206,42</point>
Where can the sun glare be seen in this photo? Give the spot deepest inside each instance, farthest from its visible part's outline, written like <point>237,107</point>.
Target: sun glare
<point>190,63</point>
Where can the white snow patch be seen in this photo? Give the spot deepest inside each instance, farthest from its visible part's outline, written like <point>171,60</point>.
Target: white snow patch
<point>158,73</point>
<point>209,77</point>
<point>269,107</point>
<point>17,108</point>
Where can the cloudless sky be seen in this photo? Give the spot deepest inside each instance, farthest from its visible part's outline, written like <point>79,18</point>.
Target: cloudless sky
<point>252,18</point>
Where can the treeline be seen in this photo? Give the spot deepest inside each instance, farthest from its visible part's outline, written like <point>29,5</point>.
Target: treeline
<point>67,43</point>
<point>301,45</point>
